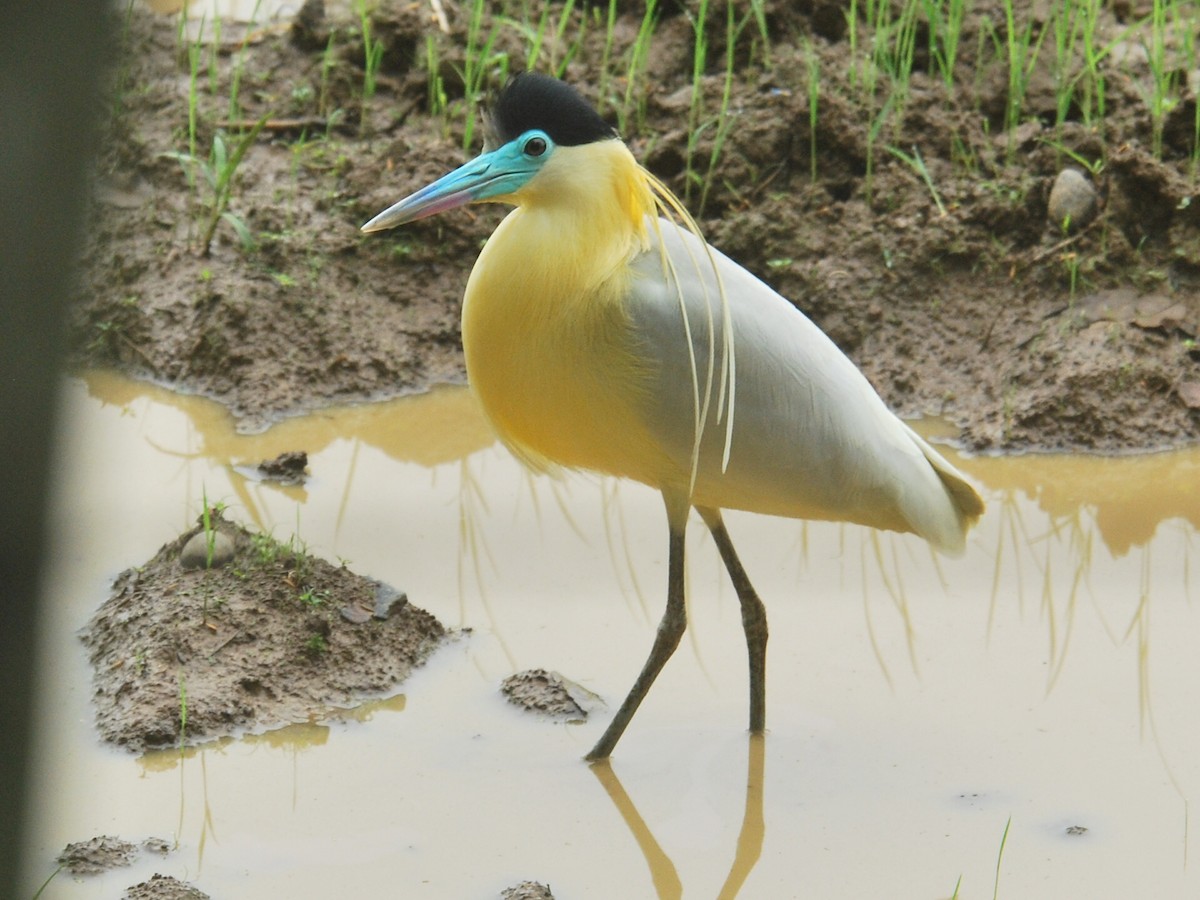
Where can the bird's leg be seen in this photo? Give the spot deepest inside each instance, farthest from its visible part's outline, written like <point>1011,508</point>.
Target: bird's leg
<point>670,630</point>
<point>754,618</point>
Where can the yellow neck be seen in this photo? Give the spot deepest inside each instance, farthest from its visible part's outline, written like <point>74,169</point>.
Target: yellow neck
<point>545,326</point>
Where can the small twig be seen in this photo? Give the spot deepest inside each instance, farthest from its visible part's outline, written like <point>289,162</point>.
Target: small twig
<point>297,124</point>
<point>1066,242</point>
<point>221,646</point>
<point>987,335</point>
<point>440,15</point>
<point>136,349</point>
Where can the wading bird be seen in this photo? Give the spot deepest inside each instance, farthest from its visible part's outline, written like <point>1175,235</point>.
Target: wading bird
<point>601,332</point>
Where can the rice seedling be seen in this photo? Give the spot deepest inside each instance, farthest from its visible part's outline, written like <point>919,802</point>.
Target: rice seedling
<point>1093,166</point>
<point>38,893</point>
<point>759,13</point>
<point>372,58</point>
<point>219,170</point>
<point>214,53</point>
<point>1163,74</point>
<point>210,531</point>
<point>610,24</point>
<point>886,61</point>
<point>239,66</point>
<point>1066,23</point>
<point>435,87</point>
<point>917,164</point>
<point>635,70</point>
<point>963,154</point>
<point>812,65</point>
<point>1071,262</point>
<point>895,47</point>
<point>183,711</point>
<point>699,64</point>
<point>195,49</point>
<point>1000,858</point>
<point>873,131</point>
<point>328,61</point>
<point>1093,101</point>
<point>536,38</point>
<point>852,39</point>
<point>1019,49</point>
<point>945,20</point>
<point>480,56</point>
<point>724,120</point>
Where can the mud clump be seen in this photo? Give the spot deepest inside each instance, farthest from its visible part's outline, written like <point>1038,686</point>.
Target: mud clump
<point>527,890</point>
<point>98,854</point>
<point>549,694</point>
<point>182,655</point>
<point>164,887</point>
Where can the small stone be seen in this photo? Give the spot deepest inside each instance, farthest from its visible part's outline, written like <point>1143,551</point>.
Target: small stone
<point>1189,393</point>
<point>388,600</point>
<point>1073,200</point>
<point>355,614</point>
<point>194,554</point>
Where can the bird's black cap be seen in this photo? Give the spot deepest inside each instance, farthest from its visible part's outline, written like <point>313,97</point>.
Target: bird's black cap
<point>531,100</point>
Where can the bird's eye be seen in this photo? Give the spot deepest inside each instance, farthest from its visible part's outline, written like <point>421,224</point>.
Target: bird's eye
<point>535,146</point>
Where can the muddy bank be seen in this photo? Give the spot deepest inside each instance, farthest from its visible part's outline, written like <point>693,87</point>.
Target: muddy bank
<point>916,233</point>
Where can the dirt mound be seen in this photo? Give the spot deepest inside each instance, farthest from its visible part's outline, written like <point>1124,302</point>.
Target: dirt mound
<point>226,630</point>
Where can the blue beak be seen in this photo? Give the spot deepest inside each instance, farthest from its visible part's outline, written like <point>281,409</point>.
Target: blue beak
<point>489,176</point>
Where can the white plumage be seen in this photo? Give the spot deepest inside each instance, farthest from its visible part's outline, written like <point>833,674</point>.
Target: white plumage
<point>811,438</point>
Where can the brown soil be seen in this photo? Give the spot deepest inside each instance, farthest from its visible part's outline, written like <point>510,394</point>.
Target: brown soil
<point>103,853</point>
<point>968,314</point>
<point>100,854</point>
<point>269,636</point>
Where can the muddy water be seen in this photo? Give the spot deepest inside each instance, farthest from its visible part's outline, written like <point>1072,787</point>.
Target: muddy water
<point>917,706</point>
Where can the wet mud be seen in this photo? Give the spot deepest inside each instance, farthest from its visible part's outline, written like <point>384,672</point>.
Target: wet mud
<point>956,293</point>
<point>251,634</point>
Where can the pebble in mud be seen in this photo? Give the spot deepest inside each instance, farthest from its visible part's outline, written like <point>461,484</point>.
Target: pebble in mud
<point>194,554</point>
<point>387,602</point>
<point>1073,200</point>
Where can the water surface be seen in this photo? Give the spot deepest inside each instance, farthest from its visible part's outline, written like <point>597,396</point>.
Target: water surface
<point>916,705</point>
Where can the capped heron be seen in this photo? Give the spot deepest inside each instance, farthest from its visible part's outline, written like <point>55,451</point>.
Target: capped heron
<point>601,332</point>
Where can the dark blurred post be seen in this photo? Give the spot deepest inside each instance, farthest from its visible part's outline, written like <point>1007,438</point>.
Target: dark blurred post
<point>50,53</point>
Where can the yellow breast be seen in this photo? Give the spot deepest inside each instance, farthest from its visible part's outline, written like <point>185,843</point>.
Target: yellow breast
<point>547,337</point>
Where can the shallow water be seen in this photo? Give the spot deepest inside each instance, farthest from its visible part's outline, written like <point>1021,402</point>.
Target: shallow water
<point>916,704</point>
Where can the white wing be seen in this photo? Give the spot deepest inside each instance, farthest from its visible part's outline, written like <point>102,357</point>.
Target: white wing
<point>811,438</point>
